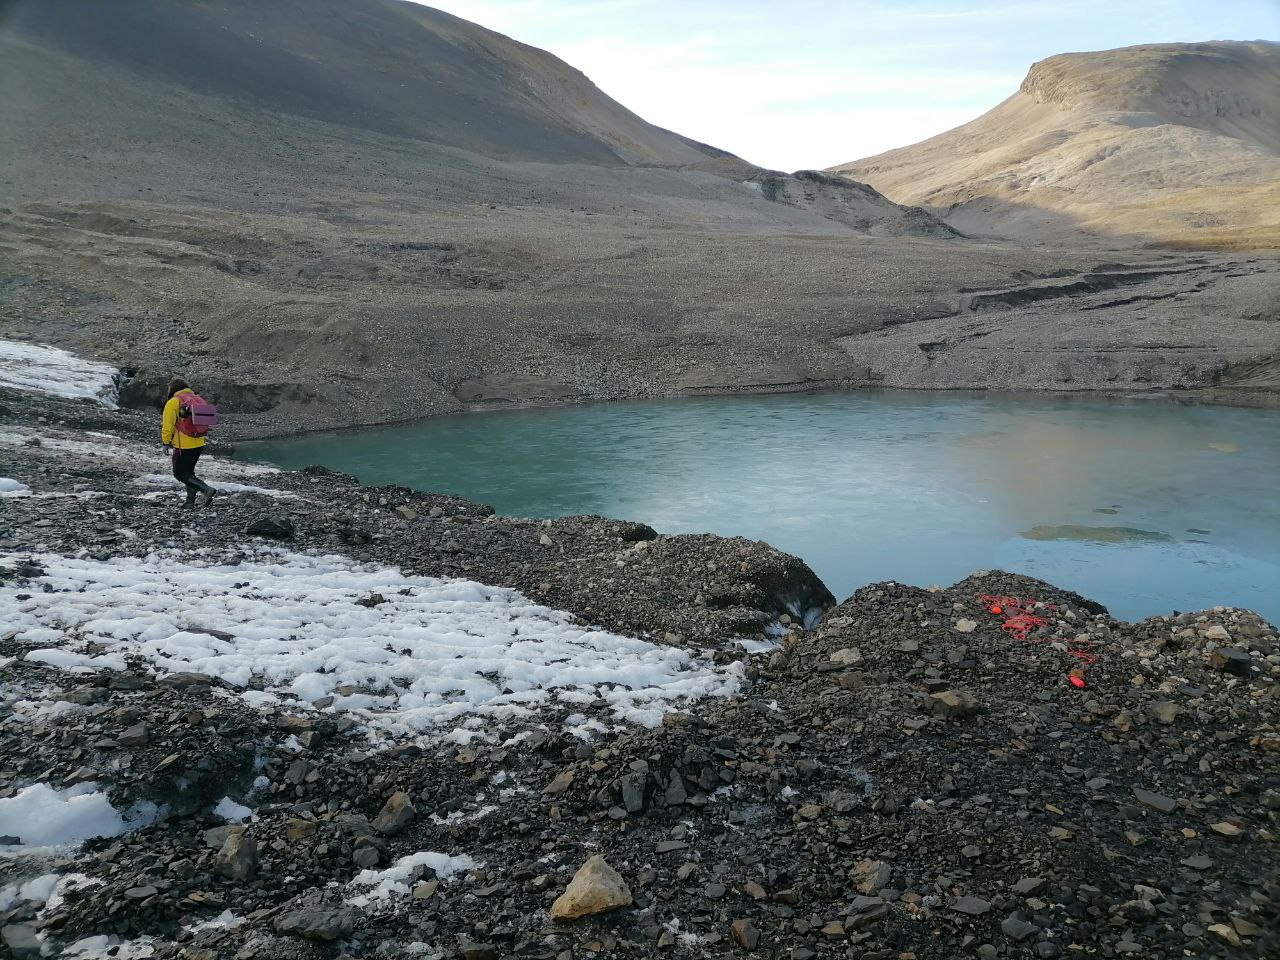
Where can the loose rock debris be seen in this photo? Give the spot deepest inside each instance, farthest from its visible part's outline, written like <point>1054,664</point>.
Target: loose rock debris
<point>887,783</point>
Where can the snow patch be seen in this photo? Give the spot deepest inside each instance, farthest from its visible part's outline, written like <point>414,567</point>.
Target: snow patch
<point>12,488</point>
<point>126,453</point>
<point>231,811</point>
<point>436,651</point>
<point>110,948</point>
<point>34,368</point>
<point>395,880</point>
<point>37,890</point>
<point>224,486</point>
<point>76,662</point>
<point>458,816</point>
<point>72,881</point>
<point>41,816</point>
<point>226,920</point>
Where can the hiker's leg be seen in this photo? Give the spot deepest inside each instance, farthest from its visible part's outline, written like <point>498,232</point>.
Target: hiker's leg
<point>184,466</point>
<point>196,482</point>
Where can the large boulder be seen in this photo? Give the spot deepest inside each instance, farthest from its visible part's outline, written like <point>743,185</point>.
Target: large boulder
<point>318,920</point>
<point>396,814</point>
<point>595,888</point>
<point>237,859</point>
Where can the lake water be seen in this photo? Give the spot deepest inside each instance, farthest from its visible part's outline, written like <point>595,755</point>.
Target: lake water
<point>1147,506</point>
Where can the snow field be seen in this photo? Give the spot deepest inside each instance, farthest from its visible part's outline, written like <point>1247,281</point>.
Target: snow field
<point>34,368</point>
<point>434,652</point>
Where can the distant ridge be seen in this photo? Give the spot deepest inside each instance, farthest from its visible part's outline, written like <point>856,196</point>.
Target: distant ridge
<point>1173,144</point>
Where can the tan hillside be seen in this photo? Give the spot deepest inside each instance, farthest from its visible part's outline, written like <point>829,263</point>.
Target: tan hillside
<point>1177,144</point>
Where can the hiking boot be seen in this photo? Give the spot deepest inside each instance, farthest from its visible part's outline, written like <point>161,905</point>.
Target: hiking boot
<point>190,501</point>
<point>209,494</point>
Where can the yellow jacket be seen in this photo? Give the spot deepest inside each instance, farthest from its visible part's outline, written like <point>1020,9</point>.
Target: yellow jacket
<point>169,432</point>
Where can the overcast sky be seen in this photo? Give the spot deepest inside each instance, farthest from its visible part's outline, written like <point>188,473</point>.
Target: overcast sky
<point>794,84</point>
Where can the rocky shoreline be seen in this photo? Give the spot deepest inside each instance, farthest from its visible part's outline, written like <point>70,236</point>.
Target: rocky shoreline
<point>899,775</point>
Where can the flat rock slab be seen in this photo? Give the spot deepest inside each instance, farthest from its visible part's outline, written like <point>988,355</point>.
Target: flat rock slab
<point>323,922</point>
<point>973,906</point>
<point>1155,801</point>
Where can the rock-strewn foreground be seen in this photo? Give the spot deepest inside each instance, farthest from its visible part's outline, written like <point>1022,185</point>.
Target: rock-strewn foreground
<point>904,779</point>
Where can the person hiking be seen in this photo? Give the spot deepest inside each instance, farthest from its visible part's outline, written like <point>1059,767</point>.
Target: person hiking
<point>185,440</point>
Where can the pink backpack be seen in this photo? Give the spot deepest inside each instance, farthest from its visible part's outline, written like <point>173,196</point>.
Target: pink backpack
<point>196,415</point>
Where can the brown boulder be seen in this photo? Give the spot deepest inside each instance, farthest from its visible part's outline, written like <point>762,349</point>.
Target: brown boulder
<point>396,814</point>
<point>595,888</point>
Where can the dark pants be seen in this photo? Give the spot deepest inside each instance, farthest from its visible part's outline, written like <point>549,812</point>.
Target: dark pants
<point>184,468</point>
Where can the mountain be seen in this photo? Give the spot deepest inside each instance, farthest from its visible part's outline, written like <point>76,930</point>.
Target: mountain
<point>340,212</point>
<point>386,67</point>
<point>195,100</point>
<point>1177,144</point>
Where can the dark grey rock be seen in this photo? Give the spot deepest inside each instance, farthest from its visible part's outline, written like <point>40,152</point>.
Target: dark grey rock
<point>1155,801</point>
<point>134,736</point>
<point>318,921</point>
<point>973,906</point>
<point>274,527</point>
<point>1030,886</point>
<point>1017,929</point>
<point>745,934</point>
<point>1232,660</point>
<point>633,792</point>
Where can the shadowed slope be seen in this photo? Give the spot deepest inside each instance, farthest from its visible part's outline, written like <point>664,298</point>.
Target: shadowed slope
<point>384,66</point>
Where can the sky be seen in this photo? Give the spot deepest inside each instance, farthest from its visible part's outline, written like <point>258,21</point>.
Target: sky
<point>796,84</point>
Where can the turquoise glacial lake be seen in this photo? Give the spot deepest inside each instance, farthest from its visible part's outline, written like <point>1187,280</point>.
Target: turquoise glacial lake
<point>1147,506</point>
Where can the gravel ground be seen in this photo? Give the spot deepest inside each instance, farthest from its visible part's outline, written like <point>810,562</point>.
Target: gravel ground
<point>900,775</point>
